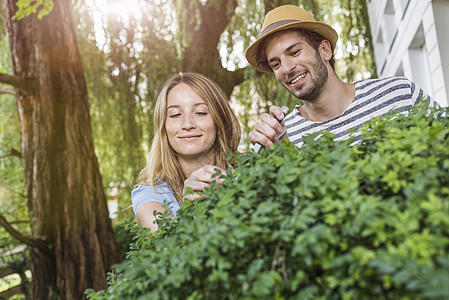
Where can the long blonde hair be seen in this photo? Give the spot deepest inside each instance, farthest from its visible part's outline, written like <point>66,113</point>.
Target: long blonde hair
<point>162,162</point>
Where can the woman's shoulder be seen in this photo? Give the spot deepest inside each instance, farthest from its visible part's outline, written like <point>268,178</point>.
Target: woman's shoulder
<point>161,193</point>
<point>161,188</point>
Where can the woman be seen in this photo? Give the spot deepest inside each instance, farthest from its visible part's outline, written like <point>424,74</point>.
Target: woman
<point>193,128</point>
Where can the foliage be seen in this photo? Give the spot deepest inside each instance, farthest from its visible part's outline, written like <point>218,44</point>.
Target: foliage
<point>355,54</point>
<point>28,7</point>
<point>124,237</point>
<point>332,222</point>
<point>12,188</point>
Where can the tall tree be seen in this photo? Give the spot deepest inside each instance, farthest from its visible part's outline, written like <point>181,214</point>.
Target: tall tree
<point>202,27</point>
<point>72,243</point>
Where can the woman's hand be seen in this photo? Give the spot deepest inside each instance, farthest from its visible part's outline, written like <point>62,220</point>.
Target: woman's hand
<point>201,179</point>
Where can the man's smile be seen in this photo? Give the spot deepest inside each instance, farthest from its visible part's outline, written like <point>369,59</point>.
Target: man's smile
<point>297,78</point>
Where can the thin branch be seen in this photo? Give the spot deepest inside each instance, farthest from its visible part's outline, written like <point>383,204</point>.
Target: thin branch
<point>16,81</point>
<point>12,152</point>
<point>32,242</point>
<point>21,205</point>
<point>7,90</point>
<point>19,222</point>
<point>7,187</point>
<point>11,292</point>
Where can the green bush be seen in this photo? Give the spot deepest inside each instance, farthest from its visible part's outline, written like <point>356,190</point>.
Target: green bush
<point>369,221</point>
<point>124,237</point>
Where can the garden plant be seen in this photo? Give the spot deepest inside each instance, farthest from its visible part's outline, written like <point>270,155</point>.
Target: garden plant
<point>329,221</point>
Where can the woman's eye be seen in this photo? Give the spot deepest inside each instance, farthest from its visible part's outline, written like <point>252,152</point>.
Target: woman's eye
<point>175,115</point>
<point>201,113</point>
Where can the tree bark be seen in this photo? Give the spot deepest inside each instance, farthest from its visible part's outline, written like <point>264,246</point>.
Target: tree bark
<point>66,200</point>
<point>201,55</point>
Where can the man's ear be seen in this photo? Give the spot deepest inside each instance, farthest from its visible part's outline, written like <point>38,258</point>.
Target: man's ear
<point>325,50</point>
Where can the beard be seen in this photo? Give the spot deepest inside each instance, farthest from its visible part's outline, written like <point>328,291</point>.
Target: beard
<point>311,93</point>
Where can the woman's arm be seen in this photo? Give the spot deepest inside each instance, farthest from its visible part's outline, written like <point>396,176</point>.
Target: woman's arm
<point>146,217</point>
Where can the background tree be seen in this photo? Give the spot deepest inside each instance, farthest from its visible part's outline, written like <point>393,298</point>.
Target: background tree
<point>72,243</point>
<point>12,189</point>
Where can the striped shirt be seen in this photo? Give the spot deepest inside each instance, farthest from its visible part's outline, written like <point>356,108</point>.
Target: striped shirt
<point>373,97</point>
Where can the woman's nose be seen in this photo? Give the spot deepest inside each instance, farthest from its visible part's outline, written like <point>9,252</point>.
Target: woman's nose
<point>188,122</point>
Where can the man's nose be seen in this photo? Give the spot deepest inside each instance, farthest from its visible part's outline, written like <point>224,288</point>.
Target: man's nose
<point>288,65</point>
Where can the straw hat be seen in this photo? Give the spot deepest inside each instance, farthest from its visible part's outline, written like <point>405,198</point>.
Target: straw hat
<point>288,17</point>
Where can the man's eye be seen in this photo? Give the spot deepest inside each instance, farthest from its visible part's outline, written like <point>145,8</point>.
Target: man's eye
<point>295,52</point>
<point>275,65</point>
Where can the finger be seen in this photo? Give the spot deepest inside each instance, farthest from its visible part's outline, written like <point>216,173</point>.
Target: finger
<point>277,112</point>
<point>195,185</point>
<point>261,138</point>
<point>269,121</point>
<point>211,169</point>
<point>208,173</point>
<point>266,129</point>
<point>193,197</point>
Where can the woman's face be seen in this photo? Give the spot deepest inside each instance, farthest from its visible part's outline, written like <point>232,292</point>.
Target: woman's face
<point>189,125</point>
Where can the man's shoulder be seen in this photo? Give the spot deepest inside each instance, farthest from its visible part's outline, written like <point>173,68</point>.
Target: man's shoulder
<point>381,87</point>
<point>382,81</point>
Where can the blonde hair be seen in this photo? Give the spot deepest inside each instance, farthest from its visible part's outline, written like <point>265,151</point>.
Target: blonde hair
<point>162,162</point>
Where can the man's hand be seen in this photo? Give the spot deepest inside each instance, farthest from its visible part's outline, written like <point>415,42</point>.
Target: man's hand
<point>267,129</point>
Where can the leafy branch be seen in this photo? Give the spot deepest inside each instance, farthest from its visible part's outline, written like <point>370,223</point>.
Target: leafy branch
<point>28,7</point>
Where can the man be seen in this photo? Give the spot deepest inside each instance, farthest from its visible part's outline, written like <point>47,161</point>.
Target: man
<point>298,50</point>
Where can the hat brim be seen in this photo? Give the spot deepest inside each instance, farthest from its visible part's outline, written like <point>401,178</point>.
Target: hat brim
<point>323,29</point>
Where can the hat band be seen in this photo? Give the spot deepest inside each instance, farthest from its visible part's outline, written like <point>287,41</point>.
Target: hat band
<point>276,25</point>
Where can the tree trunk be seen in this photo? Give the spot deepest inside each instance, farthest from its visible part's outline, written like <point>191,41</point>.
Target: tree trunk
<point>201,55</point>
<point>66,200</point>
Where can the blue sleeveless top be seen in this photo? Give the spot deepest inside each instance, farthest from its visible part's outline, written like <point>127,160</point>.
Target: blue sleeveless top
<point>163,194</point>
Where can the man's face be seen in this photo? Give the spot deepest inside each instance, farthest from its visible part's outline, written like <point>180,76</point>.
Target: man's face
<point>296,65</point>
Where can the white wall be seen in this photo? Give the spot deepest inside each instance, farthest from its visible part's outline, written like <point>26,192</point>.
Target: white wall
<point>441,13</point>
<point>409,38</point>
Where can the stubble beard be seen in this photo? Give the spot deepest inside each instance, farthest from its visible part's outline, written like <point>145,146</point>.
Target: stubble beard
<point>311,93</point>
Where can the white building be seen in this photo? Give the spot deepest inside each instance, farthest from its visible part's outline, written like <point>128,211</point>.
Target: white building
<point>411,39</point>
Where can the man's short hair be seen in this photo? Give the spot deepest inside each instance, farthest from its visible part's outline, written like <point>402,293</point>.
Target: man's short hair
<point>312,38</point>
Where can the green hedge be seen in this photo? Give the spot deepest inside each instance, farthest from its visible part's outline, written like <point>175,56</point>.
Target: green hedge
<point>335,221</point>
